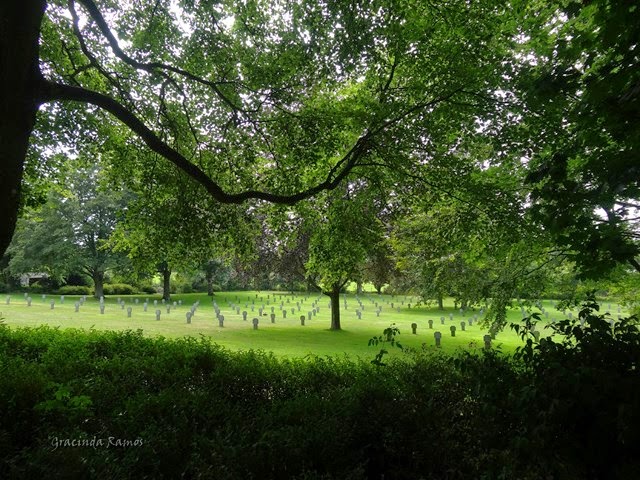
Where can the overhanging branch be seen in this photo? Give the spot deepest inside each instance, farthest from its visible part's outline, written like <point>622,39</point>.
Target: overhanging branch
<point>51,91</point>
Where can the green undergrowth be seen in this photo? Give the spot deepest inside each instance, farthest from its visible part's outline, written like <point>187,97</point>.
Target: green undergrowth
<point>94,404</point>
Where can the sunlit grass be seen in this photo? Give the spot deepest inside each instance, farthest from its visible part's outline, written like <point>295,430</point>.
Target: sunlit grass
<point>285,337</point>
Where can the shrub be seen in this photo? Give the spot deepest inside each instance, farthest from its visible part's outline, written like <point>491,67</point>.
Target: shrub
<point>75,290</point>
<point>148,288</point>
<point>119,289</point>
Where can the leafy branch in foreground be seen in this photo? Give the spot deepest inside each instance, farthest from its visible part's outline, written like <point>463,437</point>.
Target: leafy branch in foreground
<point>388,336</point>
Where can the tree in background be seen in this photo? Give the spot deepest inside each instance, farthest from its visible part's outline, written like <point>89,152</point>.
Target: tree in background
<point>70,233</point>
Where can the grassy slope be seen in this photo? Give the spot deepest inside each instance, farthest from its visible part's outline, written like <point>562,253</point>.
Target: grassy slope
<point>285,338</point>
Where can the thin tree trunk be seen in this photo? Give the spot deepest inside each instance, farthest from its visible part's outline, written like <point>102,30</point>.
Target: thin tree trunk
<point>166,284</point>
<point>19,78</point>
<point>334,295</point>
<point>210,284</point>
<point>358,288</point>
<point>440,302</point>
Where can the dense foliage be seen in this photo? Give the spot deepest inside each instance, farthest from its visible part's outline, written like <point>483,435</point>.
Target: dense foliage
<point>562,409</point>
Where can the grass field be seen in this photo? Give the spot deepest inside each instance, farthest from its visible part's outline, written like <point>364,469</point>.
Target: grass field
<point>286,337</point>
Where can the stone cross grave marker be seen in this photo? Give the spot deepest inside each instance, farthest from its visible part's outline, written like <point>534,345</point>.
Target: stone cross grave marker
<point>168,308</point>
<point>462,325</point>
<point>157,314</point>
<point>244,315</point>
<point>221,320</point>
<point>129,309</point>
<point>77,306</point>
<point>273,318</point>
<point>437,336</point>
<point>471,322</point>
<point>453,330</point>
<point>189,315</point>
<point>414,327</point>
<point>430,324</point>
<point>102,308</point>
<point>284,314</point>
<point>302,320</point>
<point>451,316</point>
<point>441,320</point>
<point>255,323</point>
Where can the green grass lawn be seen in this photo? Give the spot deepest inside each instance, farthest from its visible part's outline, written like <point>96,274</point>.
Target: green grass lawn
<point>286,337</point>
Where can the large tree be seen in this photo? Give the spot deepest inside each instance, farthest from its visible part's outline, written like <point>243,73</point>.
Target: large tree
<point>70,233</point>
<point>581,116</point>
<point>267,100</point>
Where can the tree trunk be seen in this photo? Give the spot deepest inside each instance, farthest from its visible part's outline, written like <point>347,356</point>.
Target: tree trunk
<point>19,79</point>
<point>210,284</point>
<point>378,287</point>
<point>334,295</point>
<point>358,288</point>
<point>440,302</point>
<point>166,284</point>
<point>98,284</point>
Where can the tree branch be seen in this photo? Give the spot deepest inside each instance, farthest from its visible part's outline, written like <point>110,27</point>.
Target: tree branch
<point>51,91</point>
<point>152,67</point>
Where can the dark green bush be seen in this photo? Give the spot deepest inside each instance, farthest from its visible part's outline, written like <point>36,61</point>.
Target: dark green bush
<point>200,411</point>
<point>119,289</point>
<point>75,290</point>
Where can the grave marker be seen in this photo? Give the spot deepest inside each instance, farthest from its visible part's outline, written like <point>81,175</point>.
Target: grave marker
<point>414,327</point>
<point>129,309</point>
<point>255,323</point>
<point>157,314</point>
<point>430,324</point>
<point>453,330</point>
<point>462,325</point>
<point>487,341</point>
<point>437,336</point>
<point>302,320</point>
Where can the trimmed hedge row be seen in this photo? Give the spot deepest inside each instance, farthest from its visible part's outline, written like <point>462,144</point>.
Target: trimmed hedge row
<point>158,408</point>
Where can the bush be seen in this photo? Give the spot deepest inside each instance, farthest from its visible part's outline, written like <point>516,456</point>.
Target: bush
<point>119,289</point>
<point>75,290</point>
<point>199,411</point>
<point>148,288</point>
